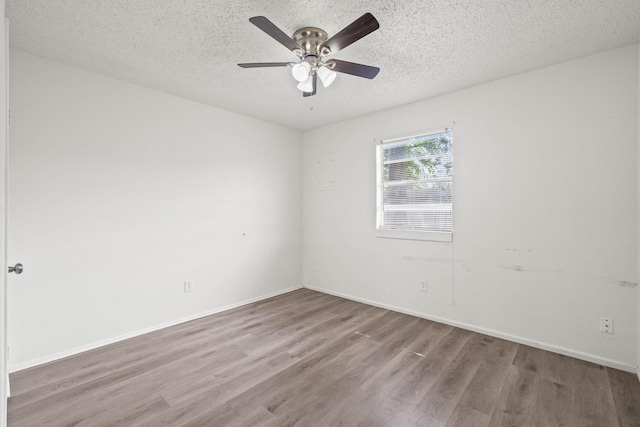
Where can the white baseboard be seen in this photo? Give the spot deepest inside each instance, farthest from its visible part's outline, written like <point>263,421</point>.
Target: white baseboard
<point>549,347</point>
<point>77,350</point>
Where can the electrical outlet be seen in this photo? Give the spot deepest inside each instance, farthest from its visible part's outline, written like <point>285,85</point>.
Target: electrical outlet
<point>423,286</point>
<point>188,286</point>
<point>606,325</point>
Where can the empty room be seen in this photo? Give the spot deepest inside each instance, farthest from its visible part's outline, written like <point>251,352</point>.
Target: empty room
<point>273,213</point>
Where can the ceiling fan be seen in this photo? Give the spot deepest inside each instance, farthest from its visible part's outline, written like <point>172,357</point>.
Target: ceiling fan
<point>312,45</point>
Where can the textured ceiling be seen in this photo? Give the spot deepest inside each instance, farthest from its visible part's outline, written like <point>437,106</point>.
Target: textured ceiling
<point>190,48</point>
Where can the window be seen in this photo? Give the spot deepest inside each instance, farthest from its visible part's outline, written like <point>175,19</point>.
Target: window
<point>415,183</point>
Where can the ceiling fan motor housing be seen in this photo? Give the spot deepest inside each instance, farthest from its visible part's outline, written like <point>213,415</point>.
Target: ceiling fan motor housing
<point>311,40</point>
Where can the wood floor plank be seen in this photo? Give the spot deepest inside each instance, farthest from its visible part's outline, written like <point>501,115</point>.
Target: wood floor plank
<point>554,404</point>
<point>429,336</point>
<point>419,379</point>
<point>221,415</point>
<point>463,416</point>
<point>126,415</point>
<point>392,374</point>
<point>516,404</point>
<point>309,359</point>
<point>501,352</point>
<point>259,416</point>
<point>75,400</point>
<point>484,389</point>
<point>223,387</point>
<point>529,358</point>
<point>558,368</point>
<point>626,395</point>
<point>305,344</point>
<point>352,410</point>
<point>443,397</point>
<point>393,344</point>
<point>593,399</point>
<point>299,382</point>
<point>310,408</point>
<point>380,324</point>
<point>197,399</point>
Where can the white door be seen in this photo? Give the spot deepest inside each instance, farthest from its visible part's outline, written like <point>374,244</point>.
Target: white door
<point>4,52</point>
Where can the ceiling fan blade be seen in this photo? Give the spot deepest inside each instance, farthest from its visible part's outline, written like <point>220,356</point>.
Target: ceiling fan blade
<point>315,85</point>
<point>351,33</point>
<point>264,64</point>
<point>359,70</point>
<point>269,27</point>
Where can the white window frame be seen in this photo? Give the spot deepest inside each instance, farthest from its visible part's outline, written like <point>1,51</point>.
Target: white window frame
<point>405,233</point>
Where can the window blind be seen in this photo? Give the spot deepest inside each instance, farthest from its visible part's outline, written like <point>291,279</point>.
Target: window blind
<point>415,183</point>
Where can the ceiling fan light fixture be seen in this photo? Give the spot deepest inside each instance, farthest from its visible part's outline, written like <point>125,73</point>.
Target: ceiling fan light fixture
<point>326,76</point>
<point>307,85</point>
<point>301,71</point>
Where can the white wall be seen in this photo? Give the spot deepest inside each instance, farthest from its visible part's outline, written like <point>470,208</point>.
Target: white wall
<point>545,215</point>
<point>118,194</point>
<point>638,172</point>
<point>4,380</point>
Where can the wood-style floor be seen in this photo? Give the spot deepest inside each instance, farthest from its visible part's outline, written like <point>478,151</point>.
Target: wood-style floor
<point>310,359</point>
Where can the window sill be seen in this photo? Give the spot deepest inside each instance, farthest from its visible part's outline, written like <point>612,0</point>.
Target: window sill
<point>431,236</point>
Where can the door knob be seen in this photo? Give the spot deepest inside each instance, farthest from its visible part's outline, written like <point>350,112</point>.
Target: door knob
<point>16,269</point>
